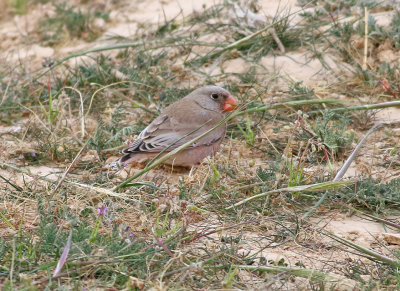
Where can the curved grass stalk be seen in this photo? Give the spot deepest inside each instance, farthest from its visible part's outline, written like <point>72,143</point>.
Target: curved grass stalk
<point>83,116</point>
<point>362,107</point>
<point>370,254</point>
<point>344,168</point>
<point>291,104</point>
<point>303,188</point>
<point>331,281</point>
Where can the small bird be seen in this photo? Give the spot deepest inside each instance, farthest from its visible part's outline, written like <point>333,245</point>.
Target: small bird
<point>181,122</point>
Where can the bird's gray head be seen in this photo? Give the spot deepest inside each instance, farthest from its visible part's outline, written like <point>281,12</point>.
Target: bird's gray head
<point>214,98</point>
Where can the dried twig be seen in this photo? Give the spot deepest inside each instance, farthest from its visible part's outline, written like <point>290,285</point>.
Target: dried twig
<point>360,107</point>
<point>70,166</point>
<point>281,47</point>
<point>364,65</point>
<point>302,188</point>
<point>82,110</point>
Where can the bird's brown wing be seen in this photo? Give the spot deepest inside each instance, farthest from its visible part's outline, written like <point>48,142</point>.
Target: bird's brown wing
<point>169,132</point>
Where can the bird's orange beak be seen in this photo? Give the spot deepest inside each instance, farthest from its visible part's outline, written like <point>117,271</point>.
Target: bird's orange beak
<point>230,104</point>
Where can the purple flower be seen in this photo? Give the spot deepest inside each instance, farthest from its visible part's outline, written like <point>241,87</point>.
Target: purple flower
<point>102,211</point>
<point>127,228</point>
<point>125,164</point>
<point>131,234</point>
<point>34,155</point>
<point>21,157</point>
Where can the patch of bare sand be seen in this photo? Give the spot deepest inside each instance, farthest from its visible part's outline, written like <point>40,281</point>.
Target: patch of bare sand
<point>156,11</point>
<point>352,228</point>
<point>310,249</point>
<point>298,66</point>
<point>274,8</point>
<point>377,158</point>
<point>22,180</point>
<point>31,52</point>
<point>315,250</point>
<point>388,115</point>
<point>122,30</point>
<point>18,37</point>
<point>235,66</point>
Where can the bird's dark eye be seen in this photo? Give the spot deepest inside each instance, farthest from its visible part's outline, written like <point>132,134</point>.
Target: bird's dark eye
<point>214,95</point>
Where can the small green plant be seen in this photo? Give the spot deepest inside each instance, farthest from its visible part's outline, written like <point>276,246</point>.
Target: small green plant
<point>248,134</point>
<point>295,172</point>
<point>266,175</point>
<point>216,174</point>
<point>19,6</point>
<point>261,45</point>
<point>50,113</point>
<point>300,92</point>
<point>394,32</point>
<point>230,276</point>
<point>331,131</point>
<point>39,249</point>
<point>96,227</point>
<point>373,194</point>
<point>183,189</point>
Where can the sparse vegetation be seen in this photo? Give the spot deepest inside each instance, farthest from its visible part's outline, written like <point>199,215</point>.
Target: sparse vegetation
<point>267,212</point>
<point>70,22</point>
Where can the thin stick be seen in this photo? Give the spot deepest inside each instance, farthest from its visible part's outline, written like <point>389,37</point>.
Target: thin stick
<point>301,188</point>
<point>292,104</point>
<point>353,155</point>
<point>333,280</point>
<point>98,90</point>
<point>388,222</point>
<point>364,66</point>
<point>281,47</point>
<point>371,254</point>
<point>361,107</point>
<point>70,166</point>
<point>82,110</point>
<point>384,221</point>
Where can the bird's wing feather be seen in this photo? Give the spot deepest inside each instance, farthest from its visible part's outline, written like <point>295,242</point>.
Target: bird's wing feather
<point>166,132</point>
